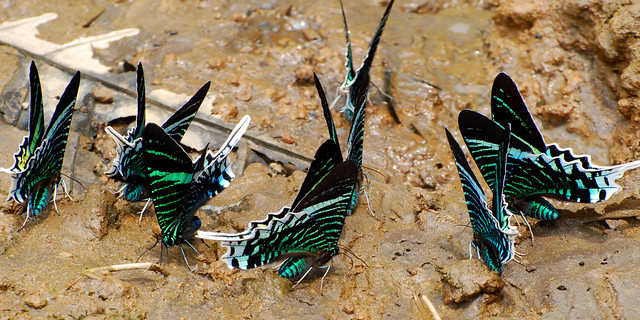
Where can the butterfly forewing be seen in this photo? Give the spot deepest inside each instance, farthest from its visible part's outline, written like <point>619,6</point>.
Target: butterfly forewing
<point>327,113</point>
<point>179,122</point>
<point>36,123</point>
<point>48,158</point>
<point>508,107</point>
<point>170,173</point>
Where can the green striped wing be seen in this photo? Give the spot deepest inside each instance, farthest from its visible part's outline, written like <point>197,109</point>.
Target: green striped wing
<point>492,243</point>
<point>355,80</point>
<point>308,233</point>
<point>170,173</point>
<point>36,123</point>
<point>532,175</point>
<point>43,168</point>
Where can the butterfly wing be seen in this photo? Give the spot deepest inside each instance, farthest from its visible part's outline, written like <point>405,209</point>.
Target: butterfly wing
<point>179,122</point>
<point>361,78</point>
<point>348,64</point>
<point>327,113</point>
<point>508,107</point>
<point>216,174</point>
<point>356,134</point>
<point>496,247</point>
<point>170,173</point>
<point>313,230</point>
<point>36,123</point>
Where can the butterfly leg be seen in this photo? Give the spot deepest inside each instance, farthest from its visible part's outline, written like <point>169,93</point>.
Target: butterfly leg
<point>120,191</point>
<point>302,278</point>
<point>386,95</point>
<point>185,257</point>
<point>192,247</point>
<point>25,220</point>
<point>55,195</point>
<point>337,98</point>
<point>323,276</point>
<point>64,187</point>
<point>143,210</point>
<point>528,226</point>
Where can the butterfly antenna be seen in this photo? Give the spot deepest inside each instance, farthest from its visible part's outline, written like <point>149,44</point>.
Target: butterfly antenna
<point>149,248</point>
<point>143,210</point>
<point>75,180</point>
<point>386,95</point>
<point>385,176</point>
<point>27,219</point>
<point>351,252</point>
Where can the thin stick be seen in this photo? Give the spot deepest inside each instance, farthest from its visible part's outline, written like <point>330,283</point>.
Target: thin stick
<point>433,310</point>
<point>129,266</point>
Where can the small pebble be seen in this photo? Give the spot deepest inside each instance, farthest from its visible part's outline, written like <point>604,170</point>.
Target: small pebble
<point>310,34</point>
<point>562,287</point>
<point>244,95</point>
<point>35,301</point>
<point>102,95</point>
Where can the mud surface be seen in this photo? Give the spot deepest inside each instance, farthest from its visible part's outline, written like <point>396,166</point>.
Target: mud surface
<point>577,65</point>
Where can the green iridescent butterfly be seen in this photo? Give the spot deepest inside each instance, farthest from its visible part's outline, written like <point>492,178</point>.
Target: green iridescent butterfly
<point>127,166</point>
<point>537,169</point>
<point>305,234</point>
<point>178,186</point>
<point>36,170</point>
<point>493,236</point>
<point>354,80</point>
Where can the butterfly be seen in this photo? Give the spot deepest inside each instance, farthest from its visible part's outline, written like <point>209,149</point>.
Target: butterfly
<point>305,234</point>
<point>177,185</point>
<point>36,171</point>
<point>549,171</point>
<point>127,166</point>
<point>493,236</point>
<point>356,79</point>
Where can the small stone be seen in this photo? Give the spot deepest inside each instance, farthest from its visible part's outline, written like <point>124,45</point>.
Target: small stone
<point>287,138</point>
<point>102,95</point>
<point>531,268</point>
<point>35,301</point>
<point>65,255</point>
<point>562,287</point>
<point>348,309</point>
<point>304,74</point>
<point>169,58</point>
<point>84,109</point>
<point>581,263</point>
<point>310,34</point>
<point>215,63</point>
<point>244,95</point>
<point>468,278</point>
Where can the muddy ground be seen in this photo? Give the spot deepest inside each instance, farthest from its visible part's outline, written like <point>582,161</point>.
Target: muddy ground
<point>576,63</point>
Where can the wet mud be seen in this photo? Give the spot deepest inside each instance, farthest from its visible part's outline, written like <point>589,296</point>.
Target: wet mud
<point>576,63</point>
